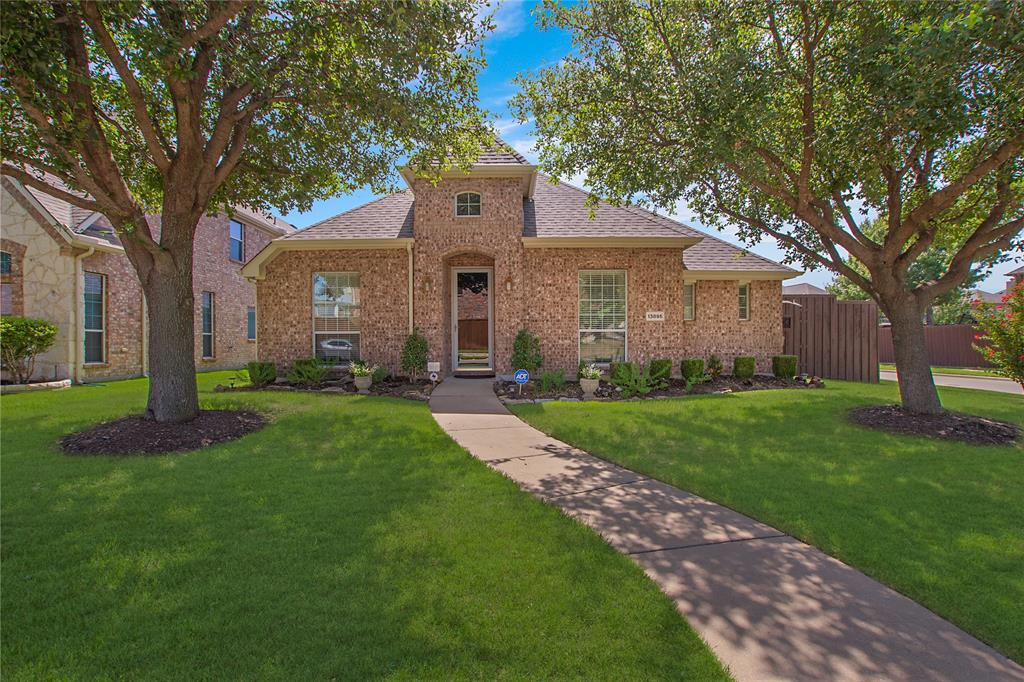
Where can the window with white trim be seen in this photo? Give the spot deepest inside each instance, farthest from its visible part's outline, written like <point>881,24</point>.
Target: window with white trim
<point>236,241</point>
<point>744,301</point>
<point>689,301</point>
<point>6,291</point>
<point>602,316</point>
<point>467,204</point>
<point>209,327</point>
<point>336,316</point>
<point>94,318</point>
<point>250,323</point>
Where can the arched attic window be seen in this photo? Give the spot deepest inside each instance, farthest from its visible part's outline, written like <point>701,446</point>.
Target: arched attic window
<point>467,204</point>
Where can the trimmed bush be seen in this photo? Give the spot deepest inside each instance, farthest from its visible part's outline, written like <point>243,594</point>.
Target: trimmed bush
<point>615,368</point>
<point>743,367</point>
<point>414,354</point>
<point>692,369</point>
<point>631,379</point>
<point>526,351</point>
<point>784,366</point>
<point>552,381</point>
<point>715,367</point>
<point>307,372</point>
<point>379,374</point>
<point>21,340</point>
<point>660,371</point>
<point>261,373</point>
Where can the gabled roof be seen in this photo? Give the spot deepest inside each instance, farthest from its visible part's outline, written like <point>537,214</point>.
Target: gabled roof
<point>802,289</point>
<point>1018,271</point>
<point>502,153</point>
<point>389,217</point>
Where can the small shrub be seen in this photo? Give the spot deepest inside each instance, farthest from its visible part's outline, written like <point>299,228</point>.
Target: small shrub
<point>692,369</point>
<point>660,371</point>
<point>261,373</point>
<point>21,340</point>
<point>361,369</point>
<point>631,379</point>
<point>715,367</point>
<point>307,372</point>
<point>589,371</point>
<point>552,381</point>
<point>414,354</point>
<point>379,374</point>
<point>526,352</point>
<point>614,368</point>
<point>1000,337</point>
<point>743,367</point>
<point>784,366</point>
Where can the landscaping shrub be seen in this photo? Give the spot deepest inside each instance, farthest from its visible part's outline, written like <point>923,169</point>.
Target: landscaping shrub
<point>21,340</point>
<point>1000,337</point>
<point>743,367</point>
<point>414,354</point>
<point>379,374</point>
<point>552,381</point>
<point>307,372</point>
<point>784,366</point>
<point>526,351</point>
<point>660,371</point>
<point>632,379</point>
<point>614,368</point>
<point>715,367</point>
<point>261,373</point>
<point>692,369</point>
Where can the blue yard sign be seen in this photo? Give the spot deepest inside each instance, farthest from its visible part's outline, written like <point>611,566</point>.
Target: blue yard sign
<point>521,376</point>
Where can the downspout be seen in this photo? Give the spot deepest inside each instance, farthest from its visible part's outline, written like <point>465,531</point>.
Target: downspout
<point>409,248</point>
<point>77,339</point>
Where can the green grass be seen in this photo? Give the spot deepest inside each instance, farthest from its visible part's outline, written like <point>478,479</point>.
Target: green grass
<point>350,539</point>
<point>962,371</point>
<point>941,522</point>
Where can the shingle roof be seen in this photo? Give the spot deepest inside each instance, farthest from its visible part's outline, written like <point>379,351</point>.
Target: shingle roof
<point>801,289</point>
<point>560,210</point>
<point>68,215</point>
<point>712,253</point>
<point>1018,271</point>
<point>389,217</point>
<point>503,153</point>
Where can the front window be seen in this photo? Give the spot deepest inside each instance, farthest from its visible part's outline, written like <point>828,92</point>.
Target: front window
<point>602,316</point>
<point>689,301</point>
<point>237,241</point>
<point>250,323</point>
<point>744,301</point>
<point>336,304</point>
<point>5,263</point>
<point>467,204</point>
<point>6,293</point>
<point>95,317</point>
<point>208,325</point>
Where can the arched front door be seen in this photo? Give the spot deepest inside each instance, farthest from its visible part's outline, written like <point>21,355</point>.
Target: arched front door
<point>472,320</point>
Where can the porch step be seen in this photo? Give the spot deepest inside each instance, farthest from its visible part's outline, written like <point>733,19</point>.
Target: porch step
<point>471,372</point>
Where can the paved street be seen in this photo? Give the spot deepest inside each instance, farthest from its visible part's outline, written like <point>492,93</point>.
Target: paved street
<point>980,383</point>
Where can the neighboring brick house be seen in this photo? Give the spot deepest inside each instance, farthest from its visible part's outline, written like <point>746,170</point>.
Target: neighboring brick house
<point>1015,277</point>
<point>616,283</point>
<point>64,264</point>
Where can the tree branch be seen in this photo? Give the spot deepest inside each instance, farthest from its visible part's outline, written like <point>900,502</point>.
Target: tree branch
<point>29,180</point>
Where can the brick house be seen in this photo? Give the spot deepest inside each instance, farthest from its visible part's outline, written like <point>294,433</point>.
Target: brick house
<point>65,264</point>
<point>609,284</point>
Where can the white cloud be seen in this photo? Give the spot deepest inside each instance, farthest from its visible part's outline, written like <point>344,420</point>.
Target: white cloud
<point>510,17</point>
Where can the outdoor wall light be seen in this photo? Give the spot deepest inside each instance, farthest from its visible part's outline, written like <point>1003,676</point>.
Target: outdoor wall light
<point>508,283</point>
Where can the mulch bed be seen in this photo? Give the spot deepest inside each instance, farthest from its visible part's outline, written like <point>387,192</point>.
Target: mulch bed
<point>137,435</point>
<point>392,387</point>
<point>947,426</point>
<point>675,388</point>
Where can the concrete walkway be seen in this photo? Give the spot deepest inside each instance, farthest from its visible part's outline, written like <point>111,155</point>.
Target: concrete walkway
<point>771,607</point>
<point>997,384</point>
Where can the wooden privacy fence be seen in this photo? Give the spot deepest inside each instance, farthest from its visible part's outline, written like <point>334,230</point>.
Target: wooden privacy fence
<point>832,339</point>
<point>949,345</point>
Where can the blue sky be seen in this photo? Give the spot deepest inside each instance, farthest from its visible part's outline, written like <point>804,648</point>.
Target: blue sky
<point>516,46</point>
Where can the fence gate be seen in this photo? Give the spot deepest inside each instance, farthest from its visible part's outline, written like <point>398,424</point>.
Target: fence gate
<point>832,339</point>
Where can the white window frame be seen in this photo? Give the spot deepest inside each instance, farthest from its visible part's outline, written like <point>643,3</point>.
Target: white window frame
<point>232,222</point>
<point>479,203</point>
<point>213,326</point>
<point>689,307</point>
<point>743,301</point>
<point>313,315</point>
<point>102,331</point>
<point>625,315</point>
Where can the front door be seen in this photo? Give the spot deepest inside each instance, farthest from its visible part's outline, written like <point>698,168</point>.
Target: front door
<point>472,329</point>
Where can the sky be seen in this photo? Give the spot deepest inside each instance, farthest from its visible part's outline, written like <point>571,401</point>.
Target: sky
<point>516,46</point>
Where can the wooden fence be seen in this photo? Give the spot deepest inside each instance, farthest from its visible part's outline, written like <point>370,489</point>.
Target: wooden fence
<point>832,339</point>
<point>949,345</point>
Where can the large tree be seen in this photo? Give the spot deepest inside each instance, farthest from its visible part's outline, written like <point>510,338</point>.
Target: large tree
<point>178,107</point>
<point>797,120</point>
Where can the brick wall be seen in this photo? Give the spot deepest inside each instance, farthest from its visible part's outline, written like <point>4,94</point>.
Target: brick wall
<point>15,280</point>
<point>123,320</point>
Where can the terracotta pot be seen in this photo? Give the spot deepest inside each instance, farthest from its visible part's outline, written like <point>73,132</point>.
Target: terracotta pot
<point>589,386</point>
<point>363,383</point>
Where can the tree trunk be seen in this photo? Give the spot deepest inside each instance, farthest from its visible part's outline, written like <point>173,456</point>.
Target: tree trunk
<point>171,309</point>
<point>917,388</point>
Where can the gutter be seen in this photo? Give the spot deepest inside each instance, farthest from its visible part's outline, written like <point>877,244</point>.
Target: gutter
<point>76,340</point>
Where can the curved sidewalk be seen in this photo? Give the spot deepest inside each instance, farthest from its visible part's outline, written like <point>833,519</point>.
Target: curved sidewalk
<point>770,606</point>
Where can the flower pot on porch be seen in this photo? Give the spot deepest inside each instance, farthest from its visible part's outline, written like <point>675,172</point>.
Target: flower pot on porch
<point>363,383</point>
<point>589,387</point>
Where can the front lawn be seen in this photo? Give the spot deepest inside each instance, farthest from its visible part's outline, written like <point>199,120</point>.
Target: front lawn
<point>941,522</point>
<point>349,539</point>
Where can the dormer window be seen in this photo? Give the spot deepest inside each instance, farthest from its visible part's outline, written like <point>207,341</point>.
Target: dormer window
<point>467,204</point>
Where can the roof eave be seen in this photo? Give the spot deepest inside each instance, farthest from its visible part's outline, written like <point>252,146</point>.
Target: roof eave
<point>609,242</point>
<point>527,172</point>
<point>256,269</point>
<point>740,275</point>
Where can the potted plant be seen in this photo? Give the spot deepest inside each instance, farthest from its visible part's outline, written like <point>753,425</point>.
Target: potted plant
<point>363,375</point>
<point>590,379</point>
